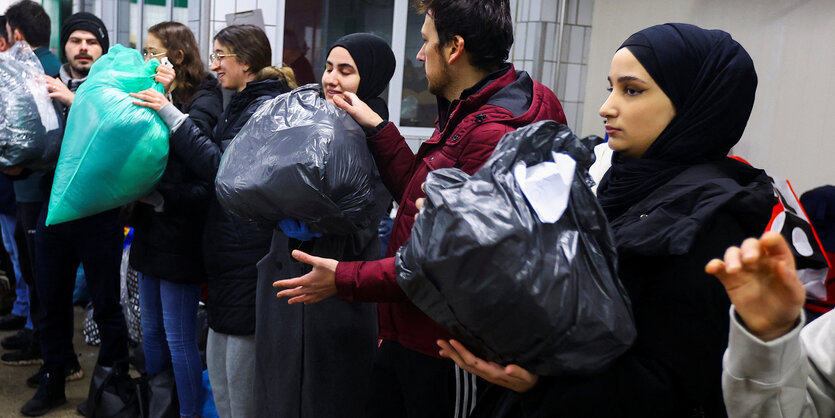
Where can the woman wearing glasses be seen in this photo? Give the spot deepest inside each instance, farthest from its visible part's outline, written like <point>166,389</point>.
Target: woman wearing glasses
<point>231,247</point>
<point>168,224</point>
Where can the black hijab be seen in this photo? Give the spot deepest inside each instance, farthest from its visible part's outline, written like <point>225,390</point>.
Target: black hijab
<point>710,80</point>
<point>375,63</point>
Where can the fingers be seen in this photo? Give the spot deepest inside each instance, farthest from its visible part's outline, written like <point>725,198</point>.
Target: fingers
<point>305,257</point>
<point>165,70</point>
<point>142,95</point>
<point>515,371</point>
<point>294,282</point>
<point>342,104</point>
<point>144,104</point>
<point>351,98</point>
<point>469,358</point>
<point>776,246</point>
<point>289,293</point>
<point>449,352</point>
<point>733,261</point>
<point>715,267</point>
<point>750,250</point>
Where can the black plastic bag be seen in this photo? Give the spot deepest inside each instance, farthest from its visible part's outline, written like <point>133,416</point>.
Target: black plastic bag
<point>30,129</point>
<point>300,157</point>
<point>113,394</point>
<point>510,287</point>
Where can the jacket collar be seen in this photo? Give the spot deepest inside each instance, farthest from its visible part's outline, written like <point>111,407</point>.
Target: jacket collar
<point>446,108</point>
<point>253,90</point>
<point>67,79</point>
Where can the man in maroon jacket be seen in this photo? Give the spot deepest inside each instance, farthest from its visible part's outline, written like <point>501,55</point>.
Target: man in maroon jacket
<point>480,98</point>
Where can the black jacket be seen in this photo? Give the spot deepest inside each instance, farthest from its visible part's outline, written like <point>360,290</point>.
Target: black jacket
<point>168,244</point>
<point>674,367</point>
<point>231,247</point>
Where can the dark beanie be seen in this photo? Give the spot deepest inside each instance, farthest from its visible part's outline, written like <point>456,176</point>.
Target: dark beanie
<point>90,23</point>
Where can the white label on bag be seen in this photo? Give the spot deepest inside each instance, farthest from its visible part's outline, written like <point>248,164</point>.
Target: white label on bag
<point>547,185</point>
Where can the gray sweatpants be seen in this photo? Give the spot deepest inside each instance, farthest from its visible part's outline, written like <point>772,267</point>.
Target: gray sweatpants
<point>231,363</point>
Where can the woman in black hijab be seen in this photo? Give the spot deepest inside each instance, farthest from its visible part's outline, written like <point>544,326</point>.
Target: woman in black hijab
<point>370,58</point>
<point>315,360</point>
<point>680,99</point>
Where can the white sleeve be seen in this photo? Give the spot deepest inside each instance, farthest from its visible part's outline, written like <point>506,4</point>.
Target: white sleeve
<point>791,376</point>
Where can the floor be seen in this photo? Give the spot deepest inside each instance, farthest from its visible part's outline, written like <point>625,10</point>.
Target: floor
<point>14,392</point>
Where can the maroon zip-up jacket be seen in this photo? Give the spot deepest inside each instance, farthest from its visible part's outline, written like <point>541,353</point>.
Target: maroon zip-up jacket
<point>473,128</point>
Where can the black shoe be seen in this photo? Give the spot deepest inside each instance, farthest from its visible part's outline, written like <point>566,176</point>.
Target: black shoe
<point>82,408</point>
<point>18,341</point>
<point>23,357</point>
<point>72,372</point>
<point>12,322</point>
<point>50,395</point>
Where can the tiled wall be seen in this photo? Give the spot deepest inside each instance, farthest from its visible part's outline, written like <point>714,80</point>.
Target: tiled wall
<point>536,45</point>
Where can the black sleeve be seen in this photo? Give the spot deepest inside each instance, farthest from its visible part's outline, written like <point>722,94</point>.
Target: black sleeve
<point>184,196</point>
<point>205,109</point>
<point>675,365</point>
<point>197,150</point>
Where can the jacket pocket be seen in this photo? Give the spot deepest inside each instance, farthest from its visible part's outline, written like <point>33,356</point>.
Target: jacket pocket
<point>438,160</point>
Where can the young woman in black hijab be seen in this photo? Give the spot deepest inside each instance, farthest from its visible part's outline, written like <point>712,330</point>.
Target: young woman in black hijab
<point>680,99</point>
<point>315,360</point>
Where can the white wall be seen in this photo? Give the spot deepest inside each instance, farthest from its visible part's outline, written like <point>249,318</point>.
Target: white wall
<point>791,43</point>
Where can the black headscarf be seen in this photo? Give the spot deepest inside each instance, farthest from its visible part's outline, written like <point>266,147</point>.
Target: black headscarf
<point>710,80</point>
<point>375,63</point>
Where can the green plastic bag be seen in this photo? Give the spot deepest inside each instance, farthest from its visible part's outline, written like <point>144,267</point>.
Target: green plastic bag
<point>114,152</point>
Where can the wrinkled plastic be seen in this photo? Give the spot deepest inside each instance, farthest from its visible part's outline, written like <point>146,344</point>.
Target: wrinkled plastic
<point>30,134</point>
<point>114,152</point>
<point>300,157</point>
<point>511,288</point>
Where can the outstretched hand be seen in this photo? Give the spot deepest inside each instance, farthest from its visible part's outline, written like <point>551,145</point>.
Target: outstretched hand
<point>150,98</point>
<point>313,287</point>
<point>512,376</point>
<point>358,110</point>
<point>761,280</point>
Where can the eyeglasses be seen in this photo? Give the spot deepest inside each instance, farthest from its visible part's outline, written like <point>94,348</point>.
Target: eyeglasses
<point>214,56</point>
<point>148,54</point>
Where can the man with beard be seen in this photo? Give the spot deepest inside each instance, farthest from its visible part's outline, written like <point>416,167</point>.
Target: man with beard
<point>27,21</point>
<point>94,241</point>
<point>480,98</point>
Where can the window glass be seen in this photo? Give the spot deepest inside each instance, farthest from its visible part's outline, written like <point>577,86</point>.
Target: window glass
<point>418,106</point>
<point>311,26</point>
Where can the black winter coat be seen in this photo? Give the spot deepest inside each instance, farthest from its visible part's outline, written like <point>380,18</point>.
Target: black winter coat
<point>231,247</point>
<point>314,360</point>
<point>674,368</point>
<point>168,244</point>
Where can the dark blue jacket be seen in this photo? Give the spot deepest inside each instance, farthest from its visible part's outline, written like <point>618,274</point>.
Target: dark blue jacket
<point>168,244</point>
<point>231,247</point>
<point>7,199</point>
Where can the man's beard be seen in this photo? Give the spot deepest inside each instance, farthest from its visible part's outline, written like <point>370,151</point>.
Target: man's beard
<point>440,82</point>
<point>82,71</point>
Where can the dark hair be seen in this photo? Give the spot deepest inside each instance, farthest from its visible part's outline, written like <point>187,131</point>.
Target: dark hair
<point>250,45</point>
<point>3,33</point>
<point>31,20</point>
<point>485,25</point>
<point>176,36</point>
